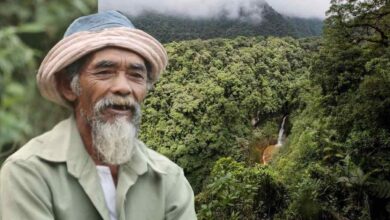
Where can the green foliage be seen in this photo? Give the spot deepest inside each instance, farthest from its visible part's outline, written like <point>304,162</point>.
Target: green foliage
<point>28,30</point>
<point>343,132</point>
<point>306,27</point>
<point>361,21</point>
<point>236,191</point>
<point>305,202</point>
<point>212,92</point>
<point>381,189</point>
<point>15,57</point>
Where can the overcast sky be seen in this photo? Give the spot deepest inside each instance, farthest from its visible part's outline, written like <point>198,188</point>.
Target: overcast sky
<point>301,8</point>
<point>208,8</point>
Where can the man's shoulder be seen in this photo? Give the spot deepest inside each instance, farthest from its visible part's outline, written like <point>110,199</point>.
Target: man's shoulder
<point>29,149</point>
<point>25,158</point>
<point>38,146</point>
<point>162,163</point>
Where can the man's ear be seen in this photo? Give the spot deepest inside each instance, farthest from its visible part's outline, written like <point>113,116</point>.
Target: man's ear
<point>63,86</point>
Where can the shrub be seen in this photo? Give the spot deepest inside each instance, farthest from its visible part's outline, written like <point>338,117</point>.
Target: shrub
<point>239,192</point>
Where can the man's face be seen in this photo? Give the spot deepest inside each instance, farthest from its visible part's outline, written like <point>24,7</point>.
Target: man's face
<point>111,85</point>
<point>112,72</point>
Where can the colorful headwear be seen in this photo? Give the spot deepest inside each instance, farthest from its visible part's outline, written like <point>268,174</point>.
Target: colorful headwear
<point>90,33</point>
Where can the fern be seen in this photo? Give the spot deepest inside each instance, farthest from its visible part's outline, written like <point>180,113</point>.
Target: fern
<point>381,189</point>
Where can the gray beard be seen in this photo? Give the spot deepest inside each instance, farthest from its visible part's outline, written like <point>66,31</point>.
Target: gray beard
<point>114,141</point>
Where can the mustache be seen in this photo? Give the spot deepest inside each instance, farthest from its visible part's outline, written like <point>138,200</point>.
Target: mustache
<point>126,103</point>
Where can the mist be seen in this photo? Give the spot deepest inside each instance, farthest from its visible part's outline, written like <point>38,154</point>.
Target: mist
<point>301,8</point>
<point>213,8</point>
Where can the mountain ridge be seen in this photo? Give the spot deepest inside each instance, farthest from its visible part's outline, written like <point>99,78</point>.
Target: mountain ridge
<point>248,22</point>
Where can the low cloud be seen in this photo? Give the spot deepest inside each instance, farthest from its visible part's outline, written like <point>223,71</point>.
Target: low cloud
<point>213,8</point>
<point>301,8</point>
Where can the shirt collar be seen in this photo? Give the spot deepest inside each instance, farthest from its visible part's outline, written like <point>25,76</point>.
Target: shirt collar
<point>64,144</point>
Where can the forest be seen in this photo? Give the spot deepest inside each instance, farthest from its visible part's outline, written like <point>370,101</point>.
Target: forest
<point>218,109</point>
<point>167,28</point>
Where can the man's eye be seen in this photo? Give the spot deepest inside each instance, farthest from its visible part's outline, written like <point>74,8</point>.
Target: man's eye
<point>137,75</point>
<point>104,72</point>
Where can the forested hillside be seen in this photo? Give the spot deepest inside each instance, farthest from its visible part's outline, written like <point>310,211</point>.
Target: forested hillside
<point>168,28</point>
<point>203,106</point>
<point>221,103</point>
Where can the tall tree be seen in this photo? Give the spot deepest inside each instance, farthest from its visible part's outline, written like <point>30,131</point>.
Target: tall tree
<point>352,109</point>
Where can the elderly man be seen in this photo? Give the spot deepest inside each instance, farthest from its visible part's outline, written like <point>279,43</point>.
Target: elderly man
<point>92,166</point>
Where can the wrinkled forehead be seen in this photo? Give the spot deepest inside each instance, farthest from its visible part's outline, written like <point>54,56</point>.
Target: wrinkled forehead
<point>115,57</point>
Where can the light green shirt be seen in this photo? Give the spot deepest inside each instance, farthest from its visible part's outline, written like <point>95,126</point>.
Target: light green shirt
<point>53,177</point>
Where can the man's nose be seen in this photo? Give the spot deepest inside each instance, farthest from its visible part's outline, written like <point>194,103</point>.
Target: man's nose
<point>121,85</point>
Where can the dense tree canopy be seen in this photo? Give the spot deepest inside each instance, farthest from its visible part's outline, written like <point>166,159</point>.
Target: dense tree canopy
<point>168,28</point>
<point>340,141</point>
<point>211,92</point>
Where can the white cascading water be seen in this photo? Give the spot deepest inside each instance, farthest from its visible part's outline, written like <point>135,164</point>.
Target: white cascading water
<point>281,132</point>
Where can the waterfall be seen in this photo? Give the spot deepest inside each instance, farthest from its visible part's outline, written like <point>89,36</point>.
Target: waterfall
<point>281,133</point>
